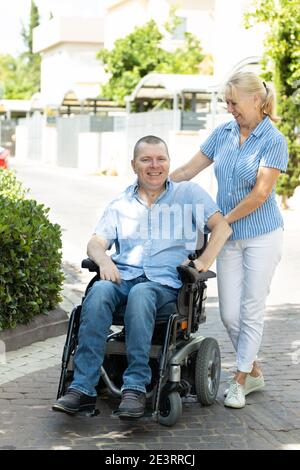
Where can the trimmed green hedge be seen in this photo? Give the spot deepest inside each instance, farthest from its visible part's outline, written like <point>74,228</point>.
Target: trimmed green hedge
<point>30,256</point>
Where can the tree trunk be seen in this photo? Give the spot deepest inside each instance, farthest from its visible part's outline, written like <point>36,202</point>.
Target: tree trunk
<point>284,202</point>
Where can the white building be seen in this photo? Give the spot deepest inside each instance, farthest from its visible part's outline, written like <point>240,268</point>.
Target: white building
<point>197,17</point>
<point>219,24</point>
<point>68,47</point>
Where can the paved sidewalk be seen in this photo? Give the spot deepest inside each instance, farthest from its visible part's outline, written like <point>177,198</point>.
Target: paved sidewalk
<point>271,420</point>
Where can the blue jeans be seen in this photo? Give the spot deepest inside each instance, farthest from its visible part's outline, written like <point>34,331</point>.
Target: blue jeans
<point>143,299</point>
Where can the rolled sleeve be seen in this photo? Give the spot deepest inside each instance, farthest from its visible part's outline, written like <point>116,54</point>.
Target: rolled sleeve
<point>209,145</point>
<point>106,228</point>
<point>209,207</point>
<point>275,155</point>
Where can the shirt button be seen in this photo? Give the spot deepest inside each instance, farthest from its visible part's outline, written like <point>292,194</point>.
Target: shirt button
<point>229,194</point>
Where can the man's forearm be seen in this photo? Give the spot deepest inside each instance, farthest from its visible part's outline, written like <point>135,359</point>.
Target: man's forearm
<point>97,251</point>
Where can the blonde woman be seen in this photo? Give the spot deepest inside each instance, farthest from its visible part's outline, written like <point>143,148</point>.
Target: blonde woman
<point>249,154</point>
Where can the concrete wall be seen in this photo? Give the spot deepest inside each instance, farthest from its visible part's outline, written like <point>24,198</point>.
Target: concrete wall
<point>22,141</point>
<point>49,145</point>
<point>103,152</point>
<point>73,143</point>
<point>154,122</point>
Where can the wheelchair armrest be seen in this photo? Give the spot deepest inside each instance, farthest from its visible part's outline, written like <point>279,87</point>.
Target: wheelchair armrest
<point>90,265</point>
<point>191,275</point>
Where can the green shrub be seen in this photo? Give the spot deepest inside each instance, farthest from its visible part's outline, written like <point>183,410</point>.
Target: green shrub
<point>30,256</point>
<point>10,187</point>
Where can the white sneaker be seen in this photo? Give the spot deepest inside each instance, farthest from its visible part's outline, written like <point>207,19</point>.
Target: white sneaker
<point>229,382</point>
<point>236,396</point>
<point>252,384</point>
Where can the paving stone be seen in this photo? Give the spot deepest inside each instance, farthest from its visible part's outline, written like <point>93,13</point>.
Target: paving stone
<point>271,419</point>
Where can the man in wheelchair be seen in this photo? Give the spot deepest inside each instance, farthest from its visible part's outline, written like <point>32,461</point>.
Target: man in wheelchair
<point>153,225</point>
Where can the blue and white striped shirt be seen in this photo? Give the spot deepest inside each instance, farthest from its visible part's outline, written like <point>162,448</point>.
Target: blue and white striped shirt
<point>236,168</point>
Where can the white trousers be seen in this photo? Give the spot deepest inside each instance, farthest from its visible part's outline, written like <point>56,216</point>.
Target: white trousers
<point>245,269</point>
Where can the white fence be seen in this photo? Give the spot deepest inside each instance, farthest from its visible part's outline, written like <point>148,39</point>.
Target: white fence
<point>94,144</point>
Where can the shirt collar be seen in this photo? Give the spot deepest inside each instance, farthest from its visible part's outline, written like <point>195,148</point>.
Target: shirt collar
<point>134,188</point>
<point>231,125</point>
<point>259,129</point>
<point>262,127</point>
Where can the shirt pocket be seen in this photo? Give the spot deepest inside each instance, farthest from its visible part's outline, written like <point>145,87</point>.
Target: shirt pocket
<point>247,168</point>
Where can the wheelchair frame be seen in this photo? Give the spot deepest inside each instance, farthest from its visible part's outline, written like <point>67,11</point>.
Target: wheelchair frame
<point>186,361</point>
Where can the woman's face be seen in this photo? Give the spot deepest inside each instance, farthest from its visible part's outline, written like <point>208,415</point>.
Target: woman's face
<point>245,108</point>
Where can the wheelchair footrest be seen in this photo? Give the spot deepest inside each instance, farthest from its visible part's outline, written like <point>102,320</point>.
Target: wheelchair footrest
<point>147,416</point>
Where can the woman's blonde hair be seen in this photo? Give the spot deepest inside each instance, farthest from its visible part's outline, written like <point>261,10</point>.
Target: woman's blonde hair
<point>251,84</point>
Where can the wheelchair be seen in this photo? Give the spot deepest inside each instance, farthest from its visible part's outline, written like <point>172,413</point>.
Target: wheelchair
<point>183,363</point>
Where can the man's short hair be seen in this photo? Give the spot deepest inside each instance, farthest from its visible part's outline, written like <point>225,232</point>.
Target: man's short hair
<point>148,139</point>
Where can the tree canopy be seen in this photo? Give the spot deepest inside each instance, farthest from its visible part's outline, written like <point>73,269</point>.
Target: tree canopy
<point>281,64</point>
<point>140,53</point>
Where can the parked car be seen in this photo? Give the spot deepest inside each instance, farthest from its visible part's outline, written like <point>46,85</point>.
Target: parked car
<point>4,154</point>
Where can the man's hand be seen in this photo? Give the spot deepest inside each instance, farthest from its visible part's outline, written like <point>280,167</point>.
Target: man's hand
<point>96,249</point>
<point>109,271</point>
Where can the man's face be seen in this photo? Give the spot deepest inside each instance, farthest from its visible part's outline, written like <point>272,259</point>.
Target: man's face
<point>151,166</point>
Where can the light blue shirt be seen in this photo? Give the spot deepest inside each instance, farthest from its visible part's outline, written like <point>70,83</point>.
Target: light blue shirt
<point>236,168</point>
<point>155,240</point>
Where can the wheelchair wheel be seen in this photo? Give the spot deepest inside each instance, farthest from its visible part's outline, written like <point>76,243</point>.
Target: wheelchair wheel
<point>207,371</point>
<point>170,409</point>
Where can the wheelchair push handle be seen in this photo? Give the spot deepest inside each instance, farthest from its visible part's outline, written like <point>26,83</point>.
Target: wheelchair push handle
<point>198,252</point>
<point>190,275</point>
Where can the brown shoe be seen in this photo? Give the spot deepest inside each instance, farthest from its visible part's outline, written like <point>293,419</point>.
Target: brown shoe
<point>74,401</point>
<point>132,405</point>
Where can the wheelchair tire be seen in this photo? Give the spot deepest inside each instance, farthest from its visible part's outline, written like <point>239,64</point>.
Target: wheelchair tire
<point>207,371</point>
<point>170,409</point>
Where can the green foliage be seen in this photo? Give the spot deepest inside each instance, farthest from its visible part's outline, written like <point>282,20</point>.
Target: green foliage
<point>30,247</point>
<point>140,53</point>
<point>10,187</point>
<point>20,76</point>
<point>34,21</point>
<point>184,60</point>
<point>281,65</point>
<point>131,58</point>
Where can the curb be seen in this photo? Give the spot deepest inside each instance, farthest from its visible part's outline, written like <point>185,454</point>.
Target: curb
<point>41,327</point>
